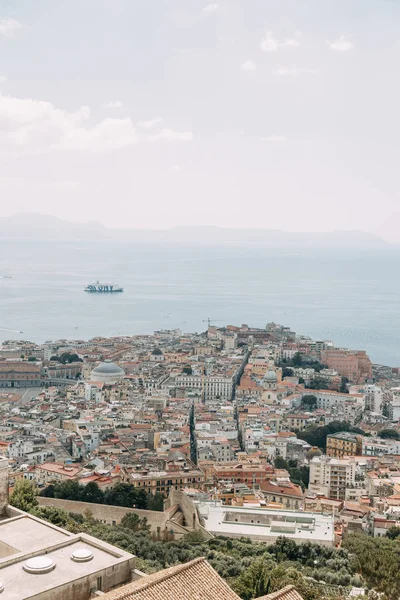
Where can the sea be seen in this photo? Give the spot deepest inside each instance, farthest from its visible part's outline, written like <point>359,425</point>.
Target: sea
<point>349,297</point>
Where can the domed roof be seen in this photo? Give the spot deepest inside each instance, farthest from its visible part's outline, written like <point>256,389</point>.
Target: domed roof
<point>270,376</point>
<point>108,368</point>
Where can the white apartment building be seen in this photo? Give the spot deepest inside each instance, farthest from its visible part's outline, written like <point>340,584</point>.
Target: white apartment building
<point>379,447</point>
<point>373,395</point>
<point>394,405</point>
<point>331,476</point>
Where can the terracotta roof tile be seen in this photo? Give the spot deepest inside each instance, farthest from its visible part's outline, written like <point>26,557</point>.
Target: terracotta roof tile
<point>287,593</point>
<point>195,580</point>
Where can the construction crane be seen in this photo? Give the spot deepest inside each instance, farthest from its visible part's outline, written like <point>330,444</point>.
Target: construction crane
<point>208,320</point>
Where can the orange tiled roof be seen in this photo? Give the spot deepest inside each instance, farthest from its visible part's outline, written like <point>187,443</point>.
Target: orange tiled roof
<point>190,581</point>
<point>287,593</point>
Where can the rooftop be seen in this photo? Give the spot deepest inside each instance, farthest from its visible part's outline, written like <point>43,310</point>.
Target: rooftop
<point>193,580</point>
<point>60,558</point>
<point>267,524</point>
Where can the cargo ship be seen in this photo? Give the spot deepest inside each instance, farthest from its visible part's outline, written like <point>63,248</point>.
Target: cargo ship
<point>103,288</point>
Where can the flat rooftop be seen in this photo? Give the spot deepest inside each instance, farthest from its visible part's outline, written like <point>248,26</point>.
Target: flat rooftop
<point>21,585</point>
<point>24,537</point>
<point>24,534</point>
<point>266,524</point>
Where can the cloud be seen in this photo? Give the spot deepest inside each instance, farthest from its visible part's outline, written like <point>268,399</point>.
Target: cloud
<point>29,125</point>
<point>293,71</point>
<point>275,138</point>
<point>248,65</point>
<point>341,44</point>
<point>210,8</point>
<point>3,79</point>
<point>176,168</point>
<point>271,44</point>
<point>149,124</point>
<point>9,27</point>
<point>115,104</point>
<point>170,136</point>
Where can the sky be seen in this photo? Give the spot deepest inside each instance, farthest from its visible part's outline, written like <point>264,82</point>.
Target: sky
<point>278,114</point>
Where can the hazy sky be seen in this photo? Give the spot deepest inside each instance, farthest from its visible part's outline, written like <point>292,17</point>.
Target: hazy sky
<point>240,113</point>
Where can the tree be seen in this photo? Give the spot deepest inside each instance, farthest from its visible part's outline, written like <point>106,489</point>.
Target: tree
<point>318,383</point>
<point>254,580</point>
<point>133,522</point>
<point>297,360</point>
<point>68,490</point>
<point>123,494</point>
<point>157,351</point>
<point>32,359</point>
<point>287,372</point>
<point>343,385</point>
<point>389,434</point>
<point>309,401</point>
<point>393,532</point>
<point>280,463</point>
<point>48,492</point>
<point>155,501</point>
<point>24,495</point>
<point>193,439</point>
<point>66,358</point>
<point>92,493</point>
<point>187,370</point>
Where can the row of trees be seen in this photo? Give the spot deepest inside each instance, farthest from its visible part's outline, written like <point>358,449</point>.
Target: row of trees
<point>122,494</point>
<point>66,358</point>
<point>316,436</point>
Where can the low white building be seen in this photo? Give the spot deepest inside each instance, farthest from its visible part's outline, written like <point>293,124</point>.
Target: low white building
<point>266,525</point>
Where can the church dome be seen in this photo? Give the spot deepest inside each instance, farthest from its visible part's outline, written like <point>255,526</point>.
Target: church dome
<point>108,372</point>
<point>271,376</point>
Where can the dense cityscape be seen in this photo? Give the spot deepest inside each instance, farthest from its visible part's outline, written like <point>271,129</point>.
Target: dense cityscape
<point>233,436</point>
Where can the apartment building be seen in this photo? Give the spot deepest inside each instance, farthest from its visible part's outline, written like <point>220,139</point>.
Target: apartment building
<point>330,477</point>
<point>343,444</point>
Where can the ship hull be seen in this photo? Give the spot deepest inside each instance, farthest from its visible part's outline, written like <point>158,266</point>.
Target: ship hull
<point>103,291</point>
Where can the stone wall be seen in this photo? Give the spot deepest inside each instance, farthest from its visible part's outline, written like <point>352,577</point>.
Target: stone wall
<point>3,485</point>
<point>112,515</point>
<point>180,514</point>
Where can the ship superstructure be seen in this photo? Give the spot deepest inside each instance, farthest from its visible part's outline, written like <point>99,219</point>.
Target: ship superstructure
<point>103,288</point>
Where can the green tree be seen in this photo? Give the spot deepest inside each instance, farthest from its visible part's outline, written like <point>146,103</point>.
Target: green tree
<point>187,370</point>
<point>254,581</point>
<point>318,383</point>
<point>389,434</point>
<point>68,490</point>
<point>297,360</point>
<point>124,494</point>
<point>287,372</point>
<point>393,532</point>
<point>92,493</point>
<point>309,401</point>
<point>48,492</point>
<point>155,501</point>
<point>131,521</point>
<point>343,385</point>
<point>24,495</point>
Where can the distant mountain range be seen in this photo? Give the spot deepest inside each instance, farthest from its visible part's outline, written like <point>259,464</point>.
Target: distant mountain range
<point>33,226</point>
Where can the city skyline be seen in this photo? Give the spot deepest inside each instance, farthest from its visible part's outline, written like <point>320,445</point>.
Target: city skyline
<point>202,113</point>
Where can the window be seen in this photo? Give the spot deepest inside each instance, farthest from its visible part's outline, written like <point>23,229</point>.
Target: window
<point>99,583</point>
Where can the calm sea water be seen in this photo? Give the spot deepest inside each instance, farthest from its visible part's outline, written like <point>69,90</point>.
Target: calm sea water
<point>351,298</point>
